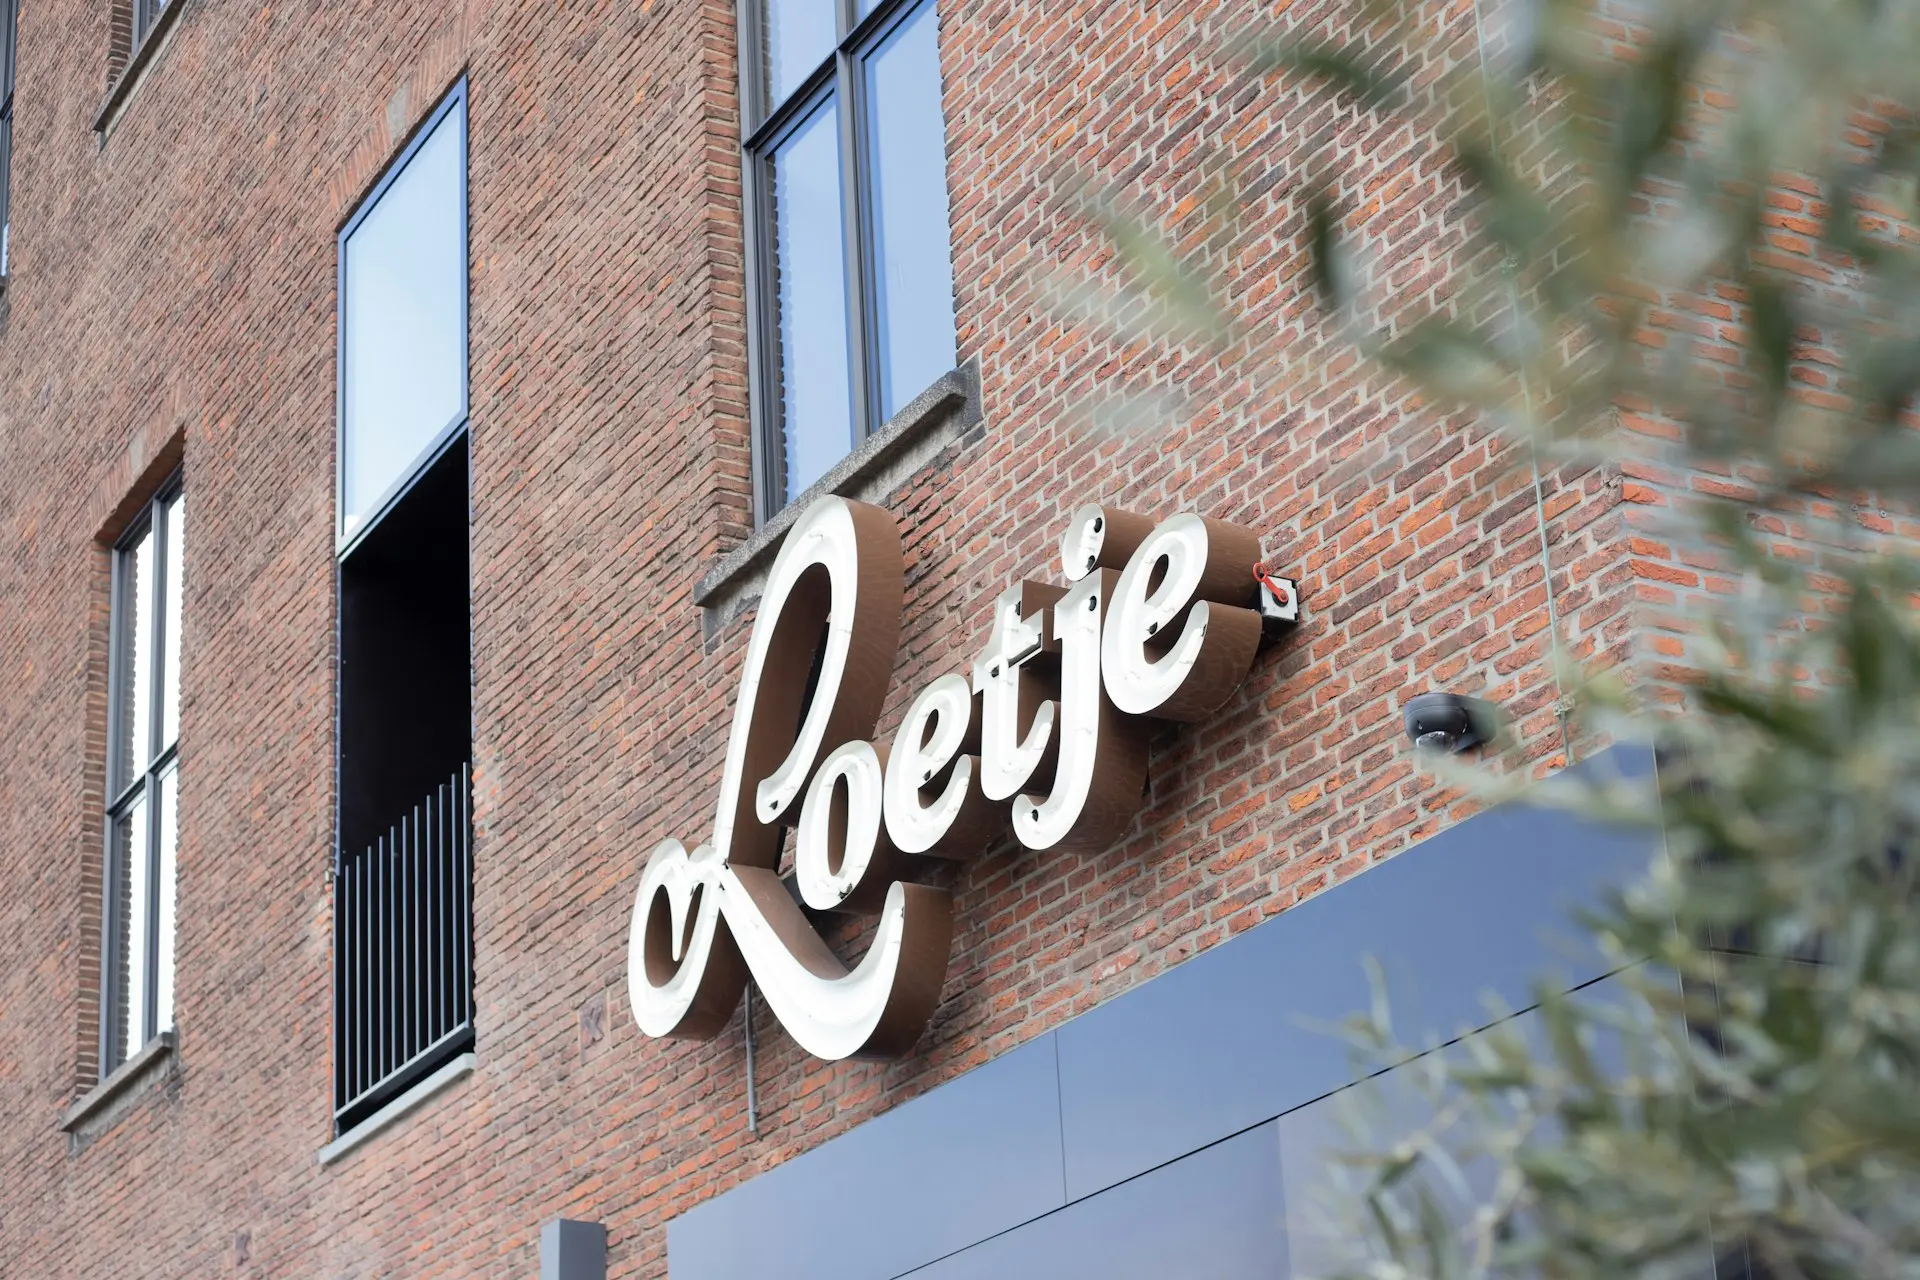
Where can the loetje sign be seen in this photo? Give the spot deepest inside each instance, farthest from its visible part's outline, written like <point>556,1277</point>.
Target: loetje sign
<point>1050,724</point>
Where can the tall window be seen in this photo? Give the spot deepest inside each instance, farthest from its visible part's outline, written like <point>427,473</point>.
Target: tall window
<point>403,934</point>
<point>143,779</point>
<point>852,286</point>
<point>403,319</point>
<point>9,37</point>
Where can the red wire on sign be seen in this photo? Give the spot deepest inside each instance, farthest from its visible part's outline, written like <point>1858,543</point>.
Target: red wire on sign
<point>1264,576</point>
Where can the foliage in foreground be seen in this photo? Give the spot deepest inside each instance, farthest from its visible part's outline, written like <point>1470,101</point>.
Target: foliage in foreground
<point>1747,1090</point>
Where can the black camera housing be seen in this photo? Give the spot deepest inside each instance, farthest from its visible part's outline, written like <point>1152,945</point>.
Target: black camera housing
<point>1450,722</point>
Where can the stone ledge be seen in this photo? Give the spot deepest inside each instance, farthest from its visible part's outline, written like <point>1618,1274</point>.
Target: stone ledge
<point>885,460</point>
<point>455,1071</point>
<point>136,69</point>
<point>147,1064</point>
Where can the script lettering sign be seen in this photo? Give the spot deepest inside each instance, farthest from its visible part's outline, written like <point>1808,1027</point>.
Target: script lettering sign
<point>1050,724</point>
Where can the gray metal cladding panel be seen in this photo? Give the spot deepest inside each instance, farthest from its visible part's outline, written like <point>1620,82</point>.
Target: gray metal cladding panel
<point>972,1158</point>
<point>1246,1031</point>
<point>1218,1214</point>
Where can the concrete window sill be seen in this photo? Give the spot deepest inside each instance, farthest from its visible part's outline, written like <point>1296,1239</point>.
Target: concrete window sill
<point>885,460</point>
<point>125,1081</point>
<point>136,69</point>
<point>440,1081</point>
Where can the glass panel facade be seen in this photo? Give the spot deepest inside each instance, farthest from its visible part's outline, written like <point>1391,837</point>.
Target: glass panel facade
<point>796,37</point>
<point>136,660</point>
<point>164,841</point>
<point>815,397</point>
<point>170,625</point>
<point>907,161</point>
<point>403,321</point>
<point>130,906</point>
<point>843,343</point>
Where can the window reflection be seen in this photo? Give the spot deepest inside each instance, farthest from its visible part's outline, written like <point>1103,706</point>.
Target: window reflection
<point>136,660</point>
<point>913,264</point>
<point>845,349</point>
<point>797,36</point>
<point>403,321</point>
<point>815,403</point>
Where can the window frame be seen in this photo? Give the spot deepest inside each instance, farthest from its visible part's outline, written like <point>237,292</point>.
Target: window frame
<point>145,14</point>
<point>764,126</point>
<point>444,436</point>
<point>153,764</point>
<point>9,57</point>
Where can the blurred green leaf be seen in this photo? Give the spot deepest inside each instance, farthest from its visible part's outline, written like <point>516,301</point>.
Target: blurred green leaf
<point>1351,69</point>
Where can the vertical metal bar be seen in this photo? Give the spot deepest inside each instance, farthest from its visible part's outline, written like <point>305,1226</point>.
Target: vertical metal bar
<point>390,1019</point>
<point>384,933</point>
<point>853,250</point>
<point>379,964</point>
<point>430,1000</point>
<point>409,943</point>
<point>753,1101</point>
<point>363,944</point>
<point>443,935</point>
<point>416,991</point>
<point>349,1041</point>
<point>339,972</point>
<point>369,885</point>
<point>466,897</point>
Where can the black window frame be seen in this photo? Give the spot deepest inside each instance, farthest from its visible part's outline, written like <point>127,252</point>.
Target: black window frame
<point>9,55</point>
<point>764,126</point>
<point>379,1003</point>
<point>456,426</point>
<point>143,775</point>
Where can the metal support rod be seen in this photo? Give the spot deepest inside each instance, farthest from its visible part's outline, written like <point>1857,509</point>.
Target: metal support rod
<point>753,1104</point>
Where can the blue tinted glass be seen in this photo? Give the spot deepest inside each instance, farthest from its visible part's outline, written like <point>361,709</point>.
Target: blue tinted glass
<point>816,411</point>
<point>404,334</point>
<point>913,268</point>
<point>797,36</point>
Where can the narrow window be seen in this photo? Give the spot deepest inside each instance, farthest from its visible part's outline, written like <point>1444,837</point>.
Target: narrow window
<point>403,936</point>
<point>9,38</point>
<point>143,778</point>
<point>852,287</point>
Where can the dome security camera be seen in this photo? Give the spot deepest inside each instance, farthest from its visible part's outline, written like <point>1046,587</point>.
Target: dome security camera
<point>1450,722</point>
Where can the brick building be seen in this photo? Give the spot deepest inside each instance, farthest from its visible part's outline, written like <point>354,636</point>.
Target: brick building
<point>404,407</point>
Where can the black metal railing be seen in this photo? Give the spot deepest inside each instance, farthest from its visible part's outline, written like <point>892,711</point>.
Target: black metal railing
<point>403,953</point>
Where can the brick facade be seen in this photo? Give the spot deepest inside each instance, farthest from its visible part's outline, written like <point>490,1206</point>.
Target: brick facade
<point>172,295</point>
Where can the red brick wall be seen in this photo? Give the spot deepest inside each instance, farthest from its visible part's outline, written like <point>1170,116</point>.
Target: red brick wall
<point>180,278</point>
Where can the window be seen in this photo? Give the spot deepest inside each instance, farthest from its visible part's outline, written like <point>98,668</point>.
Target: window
<point>403,931</point>
<point>145,14</point>
<point>9,38</point>
<point>403,318</point>
<point>143,779</point>
<point>851,297</point>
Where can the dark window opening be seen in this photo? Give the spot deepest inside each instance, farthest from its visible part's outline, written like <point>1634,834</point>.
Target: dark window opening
<point>403,936</point>
<point>405,654</point>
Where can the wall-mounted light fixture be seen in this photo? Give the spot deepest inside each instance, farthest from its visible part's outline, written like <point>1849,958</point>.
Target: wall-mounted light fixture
<point>1450,722</point>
